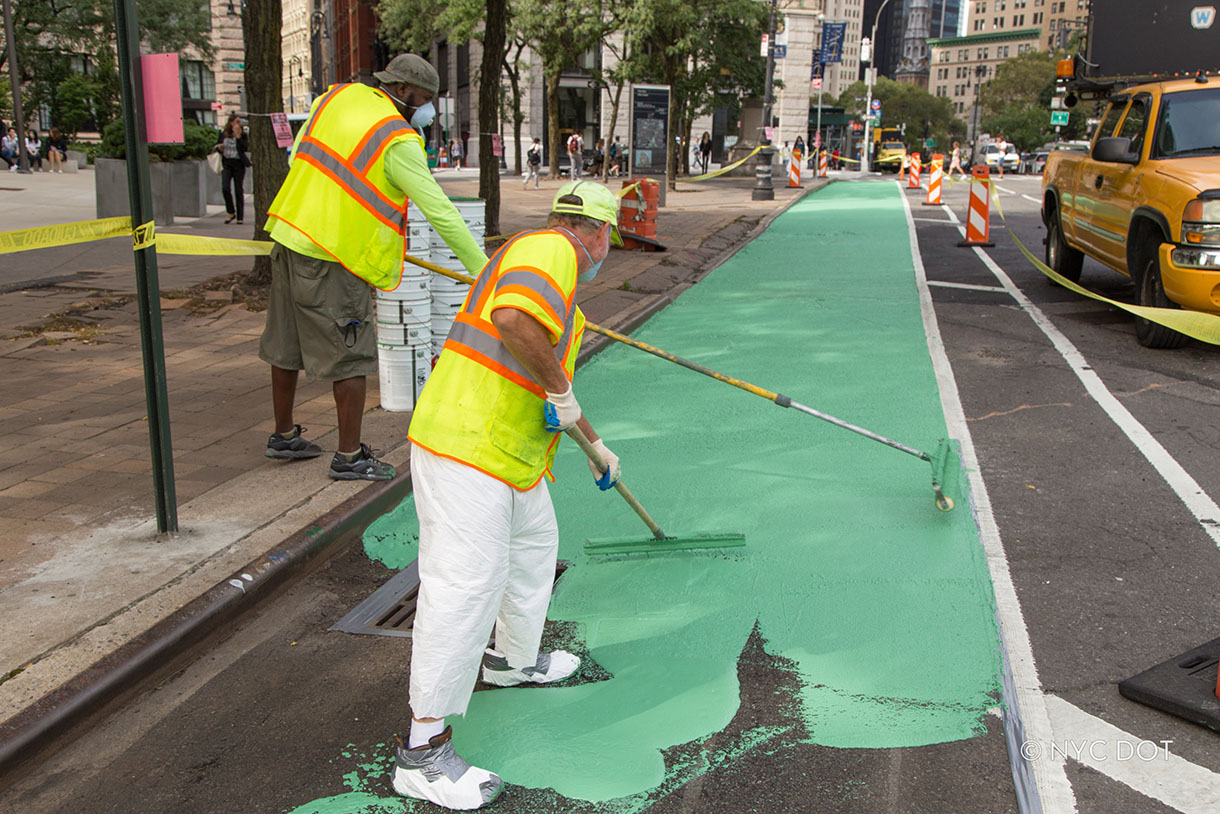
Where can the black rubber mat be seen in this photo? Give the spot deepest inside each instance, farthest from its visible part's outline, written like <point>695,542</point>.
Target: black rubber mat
<point>1184,686</point>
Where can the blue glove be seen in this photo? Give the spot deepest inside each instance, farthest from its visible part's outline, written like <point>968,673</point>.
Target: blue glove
<point>614,471</point>
<point>560,411</point>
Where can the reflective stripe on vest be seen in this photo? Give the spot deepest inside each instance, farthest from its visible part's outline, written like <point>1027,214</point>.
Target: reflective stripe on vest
<point>337,193</point>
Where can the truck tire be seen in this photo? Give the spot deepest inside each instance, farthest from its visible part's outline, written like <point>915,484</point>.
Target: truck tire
<point>1150,291</point>
<point>1061,257</point>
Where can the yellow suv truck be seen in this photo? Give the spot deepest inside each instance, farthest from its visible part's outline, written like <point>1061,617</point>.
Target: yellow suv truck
<point>1145,199</point>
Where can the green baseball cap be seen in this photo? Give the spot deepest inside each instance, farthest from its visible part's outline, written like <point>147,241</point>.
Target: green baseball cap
<point>597,202</point>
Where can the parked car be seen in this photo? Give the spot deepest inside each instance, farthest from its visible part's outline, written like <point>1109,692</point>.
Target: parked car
<point>1034,162</point>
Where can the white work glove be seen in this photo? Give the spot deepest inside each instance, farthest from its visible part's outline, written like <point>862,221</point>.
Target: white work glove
<point>605,480</point>
<point>561,411</point>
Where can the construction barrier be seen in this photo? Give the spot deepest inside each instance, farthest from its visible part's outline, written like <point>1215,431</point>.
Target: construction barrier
<point>794,170</point>
<point>913,177</point>
<point>637,213</point>
<point>978,217</point>
<point>442,158</point>
<point>934,180</point>
<point>823,164</point>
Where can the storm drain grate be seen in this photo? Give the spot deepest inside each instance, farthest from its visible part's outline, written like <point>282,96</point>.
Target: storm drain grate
<point>390,610</point>
<point>1184,686</point>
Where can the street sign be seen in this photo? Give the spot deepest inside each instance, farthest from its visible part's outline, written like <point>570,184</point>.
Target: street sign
<point>876,104</point>
<point>817,83</point>
<point>1059,117</point>
<point>763,50</point>
<point>781,51</point>
<point>235,66</point>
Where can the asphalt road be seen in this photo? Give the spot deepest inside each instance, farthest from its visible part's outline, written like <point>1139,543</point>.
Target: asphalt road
<point>1111,571</point>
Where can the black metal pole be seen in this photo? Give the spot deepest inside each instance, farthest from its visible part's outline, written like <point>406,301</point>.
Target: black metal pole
<point>763,188</point>
<point>148,289</point>
<point>23,161</point>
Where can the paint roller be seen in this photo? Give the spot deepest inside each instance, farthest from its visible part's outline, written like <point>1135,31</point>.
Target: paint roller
<point>939,459</point>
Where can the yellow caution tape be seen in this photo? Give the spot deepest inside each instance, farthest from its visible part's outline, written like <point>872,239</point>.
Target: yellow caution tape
<point>1197,324</point>
<point>144,236</point>
<point>63,234</point>
<point>214,246</point>
<point>724,169</point>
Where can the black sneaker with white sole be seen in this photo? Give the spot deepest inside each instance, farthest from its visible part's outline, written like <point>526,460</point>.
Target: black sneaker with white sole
<point>292,445</point>
<point>365,467</point>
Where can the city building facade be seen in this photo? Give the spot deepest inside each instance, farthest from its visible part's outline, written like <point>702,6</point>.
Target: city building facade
<point>962,65</point>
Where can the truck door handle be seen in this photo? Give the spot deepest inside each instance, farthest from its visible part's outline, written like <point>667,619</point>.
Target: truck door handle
<point>1099,181</point>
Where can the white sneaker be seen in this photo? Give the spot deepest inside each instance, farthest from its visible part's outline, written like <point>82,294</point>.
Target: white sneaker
<point>438,774</point>
<point>550,667</point>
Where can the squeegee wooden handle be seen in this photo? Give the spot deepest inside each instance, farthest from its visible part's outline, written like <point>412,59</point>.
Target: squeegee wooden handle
<point>582,441</point>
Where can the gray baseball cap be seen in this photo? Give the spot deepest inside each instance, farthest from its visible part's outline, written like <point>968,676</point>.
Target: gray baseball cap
<point>412,69</point>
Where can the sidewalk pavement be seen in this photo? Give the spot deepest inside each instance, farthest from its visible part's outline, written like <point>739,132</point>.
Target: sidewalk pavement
<point>82,570</point>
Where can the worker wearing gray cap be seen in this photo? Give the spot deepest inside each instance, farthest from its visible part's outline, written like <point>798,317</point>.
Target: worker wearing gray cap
<point>339,224</point>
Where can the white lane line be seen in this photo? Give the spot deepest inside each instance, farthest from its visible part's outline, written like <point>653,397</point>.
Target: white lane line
<point>1200,504</point>
<point>1005,189</point>
<point>966,286</point>
<point>1042,785</point>
<point>1030,198</point>
<point>1145,766</point>
<point>934,220</point>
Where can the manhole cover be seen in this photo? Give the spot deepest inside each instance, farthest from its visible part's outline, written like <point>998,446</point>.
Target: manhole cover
<point>390,610</point>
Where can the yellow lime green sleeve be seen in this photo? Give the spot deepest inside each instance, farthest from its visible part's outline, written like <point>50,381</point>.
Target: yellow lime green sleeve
<point>406,167</point>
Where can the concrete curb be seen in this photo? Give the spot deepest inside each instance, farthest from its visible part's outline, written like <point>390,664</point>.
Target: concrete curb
<point>84,700</point>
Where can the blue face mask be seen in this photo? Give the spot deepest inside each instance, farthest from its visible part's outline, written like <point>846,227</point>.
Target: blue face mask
<point>423,116</point>
<point>591,272</point>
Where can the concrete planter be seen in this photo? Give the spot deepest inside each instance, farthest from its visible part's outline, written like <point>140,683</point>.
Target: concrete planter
<point>81,160</point>
<point>110,187</point>
<point>189,189</point>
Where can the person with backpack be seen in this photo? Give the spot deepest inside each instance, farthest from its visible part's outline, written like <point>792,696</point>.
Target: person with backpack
<point>575,154</point>
<point>533,162</point>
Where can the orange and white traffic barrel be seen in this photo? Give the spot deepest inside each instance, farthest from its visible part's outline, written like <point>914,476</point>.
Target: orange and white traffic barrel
<point>913,178</point>
<point>978,218</point>
<point>794,170</point>
<point>442,158</point>
<point>823,164</point>
<point>935,174</point>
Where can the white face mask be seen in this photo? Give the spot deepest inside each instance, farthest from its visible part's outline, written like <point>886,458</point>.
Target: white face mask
<point>423,116</point>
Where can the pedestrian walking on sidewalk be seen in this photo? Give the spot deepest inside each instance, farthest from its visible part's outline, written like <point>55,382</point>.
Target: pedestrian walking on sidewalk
<point>576,155</point>
<point>484,434</point>
<point>533,163</point>
<point>234,147</point>
<point>338,223</point>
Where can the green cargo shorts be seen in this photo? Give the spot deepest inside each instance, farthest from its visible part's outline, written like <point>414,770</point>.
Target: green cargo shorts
<point>319,319</point>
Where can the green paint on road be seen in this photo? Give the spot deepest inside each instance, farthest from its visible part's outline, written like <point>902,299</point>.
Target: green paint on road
<point>882,602</point>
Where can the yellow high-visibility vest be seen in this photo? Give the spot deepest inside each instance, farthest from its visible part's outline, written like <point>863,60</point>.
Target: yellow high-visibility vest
<point>481,406</point>
<point>337,194</point>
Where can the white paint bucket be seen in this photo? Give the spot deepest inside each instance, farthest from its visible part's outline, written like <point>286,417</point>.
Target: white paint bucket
<point>402,374</point>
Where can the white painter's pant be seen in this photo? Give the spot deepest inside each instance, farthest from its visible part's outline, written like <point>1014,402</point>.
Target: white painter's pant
<point>486,556</point>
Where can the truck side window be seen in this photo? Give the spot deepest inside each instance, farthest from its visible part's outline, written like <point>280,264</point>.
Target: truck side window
<point>1134,123</point>
<point>1106,128</point>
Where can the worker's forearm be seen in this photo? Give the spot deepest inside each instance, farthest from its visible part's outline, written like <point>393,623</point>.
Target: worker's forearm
<point>587,429</point>
<point>530,343</point>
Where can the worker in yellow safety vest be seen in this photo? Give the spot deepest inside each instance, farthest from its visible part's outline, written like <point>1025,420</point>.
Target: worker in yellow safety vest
<point>484,433</point>
<point>339,226</point>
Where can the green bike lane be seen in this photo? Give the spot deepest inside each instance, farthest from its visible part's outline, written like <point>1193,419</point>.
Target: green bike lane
<point>878,604</point>
<point>846,659</point>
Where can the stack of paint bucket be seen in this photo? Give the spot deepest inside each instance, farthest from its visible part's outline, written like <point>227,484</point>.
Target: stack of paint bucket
<point>404,325</point>
<point>447,294</point>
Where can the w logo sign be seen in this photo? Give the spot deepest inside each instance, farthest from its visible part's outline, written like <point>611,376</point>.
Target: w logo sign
<point>1202,16</point>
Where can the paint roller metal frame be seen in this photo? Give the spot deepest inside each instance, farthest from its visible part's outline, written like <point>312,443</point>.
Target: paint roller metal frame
<point>937,460</point>
<point>661,541</point>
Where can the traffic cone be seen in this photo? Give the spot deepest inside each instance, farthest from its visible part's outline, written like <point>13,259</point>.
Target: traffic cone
<point>823,164</point>
<point>934,180</point>
<point>442,158</point>
<point>794,170</point>
<point>978,219</point>
<point>913,178</point>
<point>902,168</point>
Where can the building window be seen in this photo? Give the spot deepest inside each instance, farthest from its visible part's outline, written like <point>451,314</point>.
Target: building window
<point>198,81</point>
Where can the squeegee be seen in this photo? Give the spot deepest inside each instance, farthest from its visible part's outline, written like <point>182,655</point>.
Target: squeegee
<point>660,541</point>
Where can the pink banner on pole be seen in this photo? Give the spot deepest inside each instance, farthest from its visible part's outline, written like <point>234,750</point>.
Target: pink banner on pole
<point>162,98</point>
<point>283,133</point>
<point>497,146</point>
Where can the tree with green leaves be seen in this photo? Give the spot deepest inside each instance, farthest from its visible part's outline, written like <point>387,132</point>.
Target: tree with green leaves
<point>49,33</point>
<point>413,25</point>
<point>1017,102</point>
<point>923,115</point>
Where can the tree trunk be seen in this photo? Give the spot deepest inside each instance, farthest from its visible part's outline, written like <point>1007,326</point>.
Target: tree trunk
<point>671,126</point>
<point>688,121</point>
<point>552,120</point>
<point>513,71</point>
<point>489,110</point>
<point>618,95</point>
<point>261,22</point>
